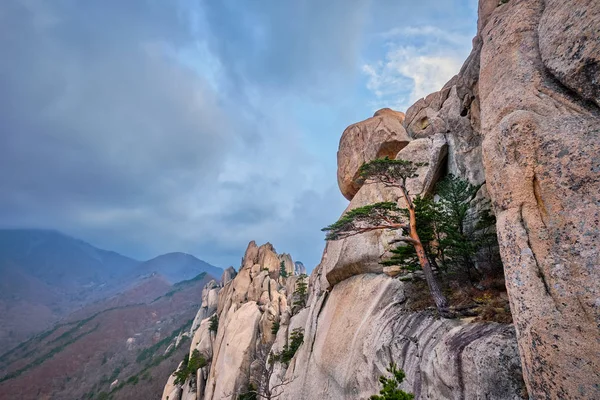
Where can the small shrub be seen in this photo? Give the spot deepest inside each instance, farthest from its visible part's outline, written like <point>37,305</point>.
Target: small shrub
<point>103,396</point>
<point>289,350</point>
<point>250,394</point>
<point>196,362</point>
<point>189,367</point>
<point>214,323</point>
<point>390,390</point>
<point>275,328</point>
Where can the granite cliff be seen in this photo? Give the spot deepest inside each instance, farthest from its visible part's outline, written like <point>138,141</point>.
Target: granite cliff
<point>522,121</point>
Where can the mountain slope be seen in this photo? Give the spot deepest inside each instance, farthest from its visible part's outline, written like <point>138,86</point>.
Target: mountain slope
<point>46,275</point>
<point>115,339</point>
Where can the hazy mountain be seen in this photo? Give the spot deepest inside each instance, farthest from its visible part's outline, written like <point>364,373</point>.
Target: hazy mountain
<point>177,267</point>
<point>45,275</point>
<point>60,260</point>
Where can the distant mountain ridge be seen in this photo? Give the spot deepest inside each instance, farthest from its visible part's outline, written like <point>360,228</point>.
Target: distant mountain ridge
<point>51,256</point>
<point>45,275</point>
<point>177,267</point>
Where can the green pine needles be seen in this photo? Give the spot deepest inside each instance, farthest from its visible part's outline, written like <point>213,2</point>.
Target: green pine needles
<point>213,323</point>
<point>275,327</point>
<point>189,367</point>
<point>384,215</point>
<point>289,350</point>
<point>389,172</point>
<point>390,390</point>
<point>282,271</point>
<point>301,293</point>
<point>456,231</point>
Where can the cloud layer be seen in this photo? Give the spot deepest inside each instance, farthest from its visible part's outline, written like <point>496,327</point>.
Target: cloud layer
<point>147,126</point>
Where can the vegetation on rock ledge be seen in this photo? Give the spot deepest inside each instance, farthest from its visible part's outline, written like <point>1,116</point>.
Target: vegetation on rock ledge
<point>189,367</point>
<point>289,350</point>
<point>387,215</point>
<point>390,390</point>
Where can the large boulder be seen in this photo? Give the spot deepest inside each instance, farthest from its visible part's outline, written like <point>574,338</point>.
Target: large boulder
<point>540,151</point>
<point>210,297</point>
<point>431,152</point>
<point>379,136</point>
<point>363,253</point>
<point>203,340</point>
<point>455,113</point>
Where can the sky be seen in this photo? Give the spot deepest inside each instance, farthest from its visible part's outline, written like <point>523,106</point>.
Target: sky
<point>152,126</point>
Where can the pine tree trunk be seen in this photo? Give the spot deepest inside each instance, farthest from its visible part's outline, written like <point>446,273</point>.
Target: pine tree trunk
<point>440,300</point>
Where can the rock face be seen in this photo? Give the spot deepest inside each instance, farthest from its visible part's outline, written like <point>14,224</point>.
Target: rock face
<point>350,334</point>
<point>541,125</point>
<point>443,359</point>
<point>228,275</point>
<point>233,351</point>
<point>379,136</point>
<point>569,45</point>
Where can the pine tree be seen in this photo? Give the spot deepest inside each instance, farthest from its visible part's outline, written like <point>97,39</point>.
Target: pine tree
<point>282,271</point>
<point>428,216</point>
<point>466,228</point>
<point>453,229</point>
<point>301,292</point>
<point>387,215</point>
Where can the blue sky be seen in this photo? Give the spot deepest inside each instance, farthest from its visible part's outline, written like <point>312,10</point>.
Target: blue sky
<point>150,126</point>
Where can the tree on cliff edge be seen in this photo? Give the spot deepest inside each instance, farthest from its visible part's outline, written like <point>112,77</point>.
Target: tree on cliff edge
<point>388,215</point>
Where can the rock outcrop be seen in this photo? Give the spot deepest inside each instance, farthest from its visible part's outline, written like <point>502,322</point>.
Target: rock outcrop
<point>351,331</point>
<point>236,325</point>
<point>299,268</point>
<point>379,136</point>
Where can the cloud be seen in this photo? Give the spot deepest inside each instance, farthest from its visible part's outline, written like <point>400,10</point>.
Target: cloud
<point>419,60</point>
<point>94,117</point>
<point>112,133</point>
<point>301,47</point>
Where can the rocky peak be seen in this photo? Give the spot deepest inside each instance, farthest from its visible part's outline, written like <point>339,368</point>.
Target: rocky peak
<point>228,275</point>
<point>249,306</point>
<point>299,268</point>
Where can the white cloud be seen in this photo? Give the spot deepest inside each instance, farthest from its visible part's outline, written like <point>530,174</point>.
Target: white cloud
<point>418,61</point>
